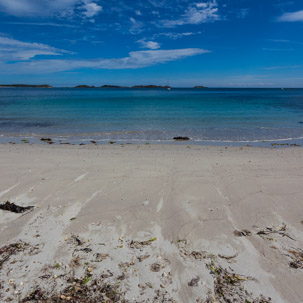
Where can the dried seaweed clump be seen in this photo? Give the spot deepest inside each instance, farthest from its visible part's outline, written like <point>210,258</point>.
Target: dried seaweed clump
<point>9,250</point>
<point>229,287</point>
<point>80,291</point>
<point>12,207</point>
<point>297,258</point>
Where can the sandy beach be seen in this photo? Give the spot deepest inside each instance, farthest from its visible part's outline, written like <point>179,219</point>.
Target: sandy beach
<point>151,223</point>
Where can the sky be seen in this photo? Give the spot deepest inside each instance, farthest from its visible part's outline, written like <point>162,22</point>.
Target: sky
<point>216,43</point>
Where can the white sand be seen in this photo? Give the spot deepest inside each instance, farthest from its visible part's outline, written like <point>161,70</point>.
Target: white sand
<point>117,194</point>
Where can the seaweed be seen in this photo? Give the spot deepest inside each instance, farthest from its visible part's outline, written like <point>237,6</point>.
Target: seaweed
<point>280,230</point>
<point>9,250</point>
<point>297,258</point>
<point>81,291</point>
<point>228,286</point>
<point>181,138</point>
<point>242,233</point>
<point>12,207</point>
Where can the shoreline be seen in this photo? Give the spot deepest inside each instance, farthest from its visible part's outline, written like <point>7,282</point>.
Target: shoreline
<point>154,223</point>
<point>64,140</point>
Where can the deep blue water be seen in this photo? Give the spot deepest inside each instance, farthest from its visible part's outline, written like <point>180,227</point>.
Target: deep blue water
<point>126,115</point>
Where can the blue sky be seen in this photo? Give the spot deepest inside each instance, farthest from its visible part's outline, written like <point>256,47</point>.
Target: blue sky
<point>217,43</point>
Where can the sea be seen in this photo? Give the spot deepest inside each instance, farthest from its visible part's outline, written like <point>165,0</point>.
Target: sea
<point>212,116</point>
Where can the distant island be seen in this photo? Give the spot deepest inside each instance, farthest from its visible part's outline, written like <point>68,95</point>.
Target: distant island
<point>151,86</point>
<point>113,86</point>
<point>84,86</point>
<point>26,85</point>
<point>118,86</point>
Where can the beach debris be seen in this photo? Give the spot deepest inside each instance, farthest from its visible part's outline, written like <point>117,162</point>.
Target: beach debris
<point>194,282</point>
<point>81,291</point>
<point>47,140</point>
<point>285,144</point>
<point>181,243</point>
<point>57,265</point>
<point>76,240</point>
<point>141,244</point>
<point>9,250</point>
<point>34,296</point>
<point>125,266</point>
<point>242,233</point>
<point>142,258</point>
<point>12,207</point>
<point>228,258</point>
<point>86,250</point>
<point>75,262</point>
<point>181,138</point>
<point>111,142</point>
<point>201,255</point>
<point>107,274</point>
<point>121,277</point>
<point>301,222</point>
<point>166,278</point>
<point>25,141</point>
<point>93,142</point>
<point>228,286</point>
<point>280,230</point>
<point>101,257</point>
<point>158,266</point>
<point>297,258</point>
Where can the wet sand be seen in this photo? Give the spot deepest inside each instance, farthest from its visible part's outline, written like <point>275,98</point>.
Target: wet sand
<point>151,223</point>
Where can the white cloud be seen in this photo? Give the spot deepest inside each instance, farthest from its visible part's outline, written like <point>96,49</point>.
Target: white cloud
<point>135,60</point>
<point>42,8</point>
<point>138,13</point>
<point>43,24</point>
<point>175,36</point>
<point>149,44</point>
<point>292,17</point>
<point>27,8</point>
<point>283,67</point>
<point>136,26</point>
<point>198,13</point>
<point>91,9</point>
<point>15,50</point>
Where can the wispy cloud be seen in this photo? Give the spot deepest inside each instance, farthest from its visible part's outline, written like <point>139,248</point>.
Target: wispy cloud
<point>285,41</point>
<point>136,26</point>
<point>43,8</point>
<point>24,8</point>
<point>196,13</point>
<point>14,50</point>
<point>42,24</point>
<point>135,60</point>
<point>291,17</point>
<point>149,44</point>
<point>175,36</point>
<point>283,67</point>
<point>279,40</point>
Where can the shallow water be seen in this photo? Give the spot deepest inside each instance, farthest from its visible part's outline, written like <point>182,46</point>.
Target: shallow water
<point>212,116</point>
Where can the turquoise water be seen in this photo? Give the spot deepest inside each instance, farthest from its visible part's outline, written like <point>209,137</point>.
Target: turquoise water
<point>228,116</point>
